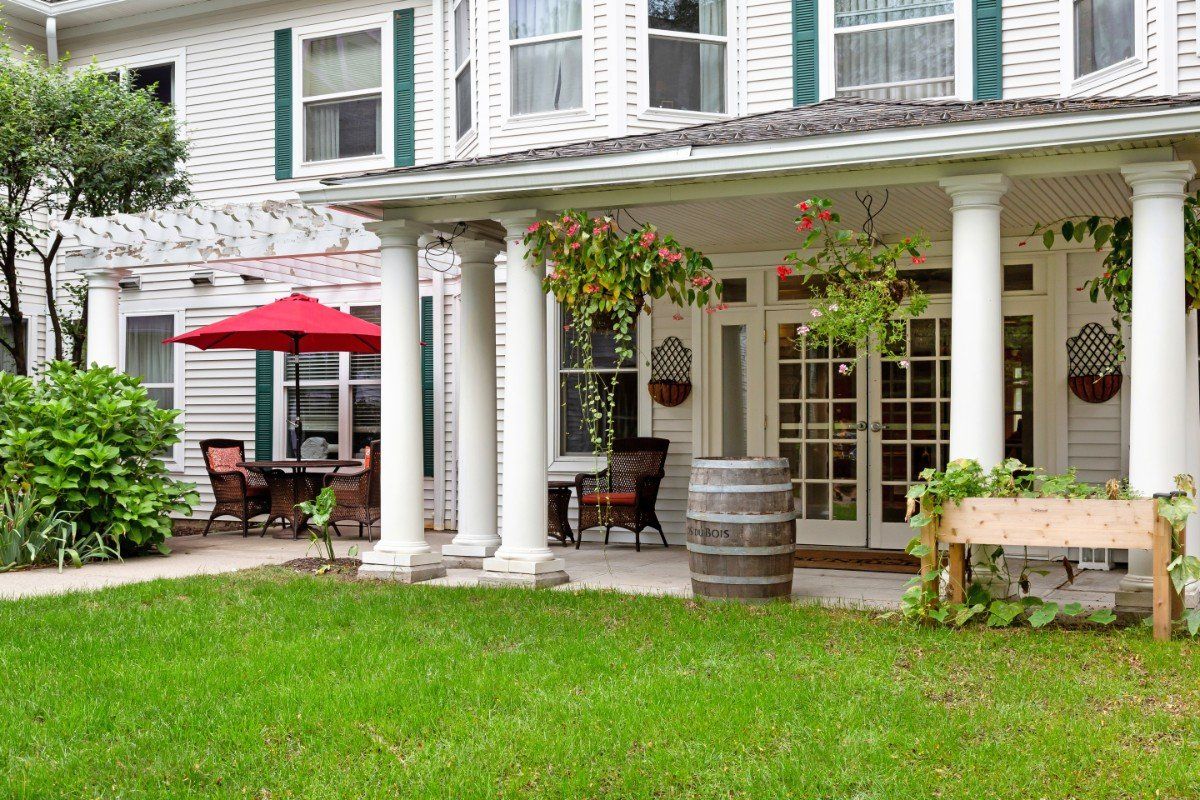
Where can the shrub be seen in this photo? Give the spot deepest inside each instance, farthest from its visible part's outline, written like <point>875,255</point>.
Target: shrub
<point>90,442</point>
<point>32,534</point>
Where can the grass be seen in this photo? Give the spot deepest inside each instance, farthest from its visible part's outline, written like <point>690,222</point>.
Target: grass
<point>270,685</point>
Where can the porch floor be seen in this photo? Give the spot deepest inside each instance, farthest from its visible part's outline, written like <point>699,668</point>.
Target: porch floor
<point>654,570</point>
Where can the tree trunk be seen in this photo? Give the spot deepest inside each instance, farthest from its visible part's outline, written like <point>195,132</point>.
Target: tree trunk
<point>12,308</point>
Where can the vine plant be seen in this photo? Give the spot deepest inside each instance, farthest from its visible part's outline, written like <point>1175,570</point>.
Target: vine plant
<point>965,478</point>
<point>603,277</point>
<point>861,298</point>
<point>1115,281</point>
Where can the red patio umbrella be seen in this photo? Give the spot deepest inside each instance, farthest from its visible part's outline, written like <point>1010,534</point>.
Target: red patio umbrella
<point>296,324</point>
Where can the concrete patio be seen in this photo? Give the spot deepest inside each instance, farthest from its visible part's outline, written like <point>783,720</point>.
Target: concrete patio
<point>619,567</point>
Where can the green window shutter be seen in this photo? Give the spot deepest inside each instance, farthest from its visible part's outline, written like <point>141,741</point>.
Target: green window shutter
<point>264,405</point>
<point>987,50</point>
<point>283,104</point>
<point>804,52</point>
<point>427,397</point>
<point>404,66</point>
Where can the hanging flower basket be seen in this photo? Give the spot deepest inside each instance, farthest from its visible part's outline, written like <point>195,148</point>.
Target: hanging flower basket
<point>1095,388</point>
<point>669,393</point>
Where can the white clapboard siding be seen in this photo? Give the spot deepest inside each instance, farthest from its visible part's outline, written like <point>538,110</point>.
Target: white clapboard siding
<point>675,424</point>
<point>1094,430</point>
<point>768,57</point>
<point>1189,47</point>
<point>1031,48</point>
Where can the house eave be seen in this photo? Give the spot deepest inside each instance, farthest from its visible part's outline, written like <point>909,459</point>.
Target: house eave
<point>976,140</point>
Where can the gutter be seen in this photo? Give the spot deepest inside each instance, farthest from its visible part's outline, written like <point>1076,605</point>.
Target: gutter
<point>824,153</point>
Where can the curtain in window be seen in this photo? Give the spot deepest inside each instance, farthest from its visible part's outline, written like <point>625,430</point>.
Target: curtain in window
<point>912,62</point>
<point>344,129</point>
<point>687,74</point>
<point>528,18</point>
<point>145,353</point>
<point>868,12</point>
<point>348,62</point>
<point>1103,34</point>
<point>547,76</point>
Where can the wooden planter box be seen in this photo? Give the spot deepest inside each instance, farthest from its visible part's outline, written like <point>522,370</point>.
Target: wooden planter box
<point>1053,522</point>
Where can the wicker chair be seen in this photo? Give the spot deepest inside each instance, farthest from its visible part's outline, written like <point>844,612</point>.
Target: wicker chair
<point>239,492</point>
<point>357,493</point>
<point>624,493</point>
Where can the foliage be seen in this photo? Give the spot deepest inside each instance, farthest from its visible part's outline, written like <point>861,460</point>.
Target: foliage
<point>965,478</point>
<point>318,512</point>
<point>603,276</point>
<point>1115,280</point>
<point>89,444</point>
<point>1184,569</point>
<point>861,299</point>
<point>32,534</point>
<point>74,143</point>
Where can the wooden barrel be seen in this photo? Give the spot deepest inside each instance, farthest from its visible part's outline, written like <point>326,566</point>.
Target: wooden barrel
<point>741,531</point>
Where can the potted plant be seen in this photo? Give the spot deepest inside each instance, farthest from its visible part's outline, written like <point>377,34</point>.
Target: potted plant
<point>860,296</point>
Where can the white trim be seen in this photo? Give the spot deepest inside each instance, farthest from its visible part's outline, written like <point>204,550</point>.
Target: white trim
<point>1059,304</point>
<point>438,302</point>
<point>387,91</point>
<point>587,110</point>
<point>177,58</point>
<point>176,462</point>
<point>1101,79</point>
<point>732,74</point>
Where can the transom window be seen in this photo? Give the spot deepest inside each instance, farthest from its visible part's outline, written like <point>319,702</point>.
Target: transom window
<point>462,68</point>
<point>686,53</point>
<point>545,39</point>
<point>894,49</point>
<point>573,437</point>
<point>1104,34</point>
<point>342,90</point>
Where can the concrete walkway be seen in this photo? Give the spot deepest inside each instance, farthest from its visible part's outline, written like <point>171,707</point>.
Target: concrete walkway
<point>654,570</point>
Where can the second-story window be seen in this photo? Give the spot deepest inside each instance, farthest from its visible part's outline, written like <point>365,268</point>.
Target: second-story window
<point>462,68</point>
<point>343,96</point>
<point>894,49</point>
<point>1104,34</point>
<point>545,40</point>
<point>686,50</point>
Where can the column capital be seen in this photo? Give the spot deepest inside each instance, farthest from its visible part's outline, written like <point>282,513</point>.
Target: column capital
<point>396,232</point>
<point>516,223</point>
<point>102,277</point>
<point>1159,179</point>
<point>478,251</point>
<point>973,191</point>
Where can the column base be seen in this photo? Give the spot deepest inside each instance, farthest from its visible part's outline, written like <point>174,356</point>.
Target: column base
<point>1135,594</point>
<point>468,555</point>
<point>530,574</point>
<point>401,567</point>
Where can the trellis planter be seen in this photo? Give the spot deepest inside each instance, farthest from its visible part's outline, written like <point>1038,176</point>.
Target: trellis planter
<point>1056,522</point>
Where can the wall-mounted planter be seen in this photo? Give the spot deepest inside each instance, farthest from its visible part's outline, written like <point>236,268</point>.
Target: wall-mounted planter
<point>1093,364</point>
<point>670,372</point>
<point>669,393</point>
<point>1095,388</point>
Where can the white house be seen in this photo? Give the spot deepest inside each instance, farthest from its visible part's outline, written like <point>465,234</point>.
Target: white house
<point>710,118</point>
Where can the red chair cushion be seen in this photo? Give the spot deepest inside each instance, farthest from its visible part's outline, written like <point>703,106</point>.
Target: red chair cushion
<point>611,499</point>
<point>224,459</point>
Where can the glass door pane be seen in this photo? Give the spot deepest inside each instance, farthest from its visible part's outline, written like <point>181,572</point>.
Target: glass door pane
<point>734,389</point>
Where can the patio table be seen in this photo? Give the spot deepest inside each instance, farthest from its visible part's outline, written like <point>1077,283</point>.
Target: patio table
<point>303,487</point>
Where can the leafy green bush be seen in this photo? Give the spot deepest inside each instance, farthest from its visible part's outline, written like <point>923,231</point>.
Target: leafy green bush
<point>32,534</point>
<point>90,441</point>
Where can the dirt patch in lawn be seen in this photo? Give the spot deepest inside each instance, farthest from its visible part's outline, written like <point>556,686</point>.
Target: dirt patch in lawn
<point>195,527</point>
<point>320,566</point>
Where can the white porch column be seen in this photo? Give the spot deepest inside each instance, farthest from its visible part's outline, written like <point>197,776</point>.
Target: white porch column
<point>103,323</point>
<point>401,553</point>
<point>478,533</point>
<point>524,557</point>
<point>1158,398</point>
<point>976,321</point>
<point>1192,423</point>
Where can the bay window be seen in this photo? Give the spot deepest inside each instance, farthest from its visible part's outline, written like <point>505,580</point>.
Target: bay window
<point>545,55</point>
<point>463,94</point>
<point>573,439</point>
<point>342,91</point>
<point>686,54</point>
<point>1105,33</point>
<point>894,49</point>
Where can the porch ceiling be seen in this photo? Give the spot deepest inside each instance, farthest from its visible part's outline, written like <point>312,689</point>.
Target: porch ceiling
<point>764,222</point>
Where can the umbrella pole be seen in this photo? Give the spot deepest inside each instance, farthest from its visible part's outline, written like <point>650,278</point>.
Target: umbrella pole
<point>296,376</point>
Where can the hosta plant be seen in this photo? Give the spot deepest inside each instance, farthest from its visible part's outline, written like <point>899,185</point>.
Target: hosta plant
<point>861,299</point>
<point>603,276</point>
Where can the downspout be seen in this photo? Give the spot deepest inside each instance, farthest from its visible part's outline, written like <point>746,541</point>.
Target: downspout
<point>51,40</point>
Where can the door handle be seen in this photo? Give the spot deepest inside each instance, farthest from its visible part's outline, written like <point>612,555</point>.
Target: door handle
<point>862,426</point>
<point>876,427</point>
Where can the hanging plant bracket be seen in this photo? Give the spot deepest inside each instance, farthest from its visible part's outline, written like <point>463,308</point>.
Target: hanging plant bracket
<point>1093,364</point>
<point>670,372</point>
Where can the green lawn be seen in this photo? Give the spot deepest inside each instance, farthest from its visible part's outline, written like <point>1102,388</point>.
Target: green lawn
<point>268,685</point>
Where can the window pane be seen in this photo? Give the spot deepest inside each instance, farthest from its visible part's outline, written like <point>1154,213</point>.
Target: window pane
<point>868,12</point>
<point>7,362</point>
<point>604,348</point>
<point>906,63</point>
<point>734,390</point>
<point>547,76</point>
<point>462,103</point>
<point>687,75</point>
<point>1018,277</point>
<point>343,129</point>
<point>462,33</point>
<point>689,16</point>
<point>366,408</point>
<point>165,397</point>
<point>1103,33</point>
<point>319,413</point>
<point>575,438</point>
<point>145,354</point>
<point>159,76</point>
<point>364,366</point>
<point>347,62</point>
<point>313,367</point>
<point>541,17</point>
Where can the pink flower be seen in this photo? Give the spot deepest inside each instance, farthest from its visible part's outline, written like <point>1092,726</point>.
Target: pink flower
<point>554,275</point>
<point>816,312</point>
<point>677,316</point>
<point>702,281</point>
<point>803,330</point>
<point>783,270</point>
<point>843,369</point>
<point>566,327</point>
<point>804,224</point>
<point>573,229</point>
<point>904,363</point>
<point>647,239</point>
<point>918,259</point>
<point>803,205</point>
<point>710,310</point>
<point>722,306</point>
<point>825,216</point>
<point>533,228</point>
<point>591,288</point>
<point>574,245</point>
